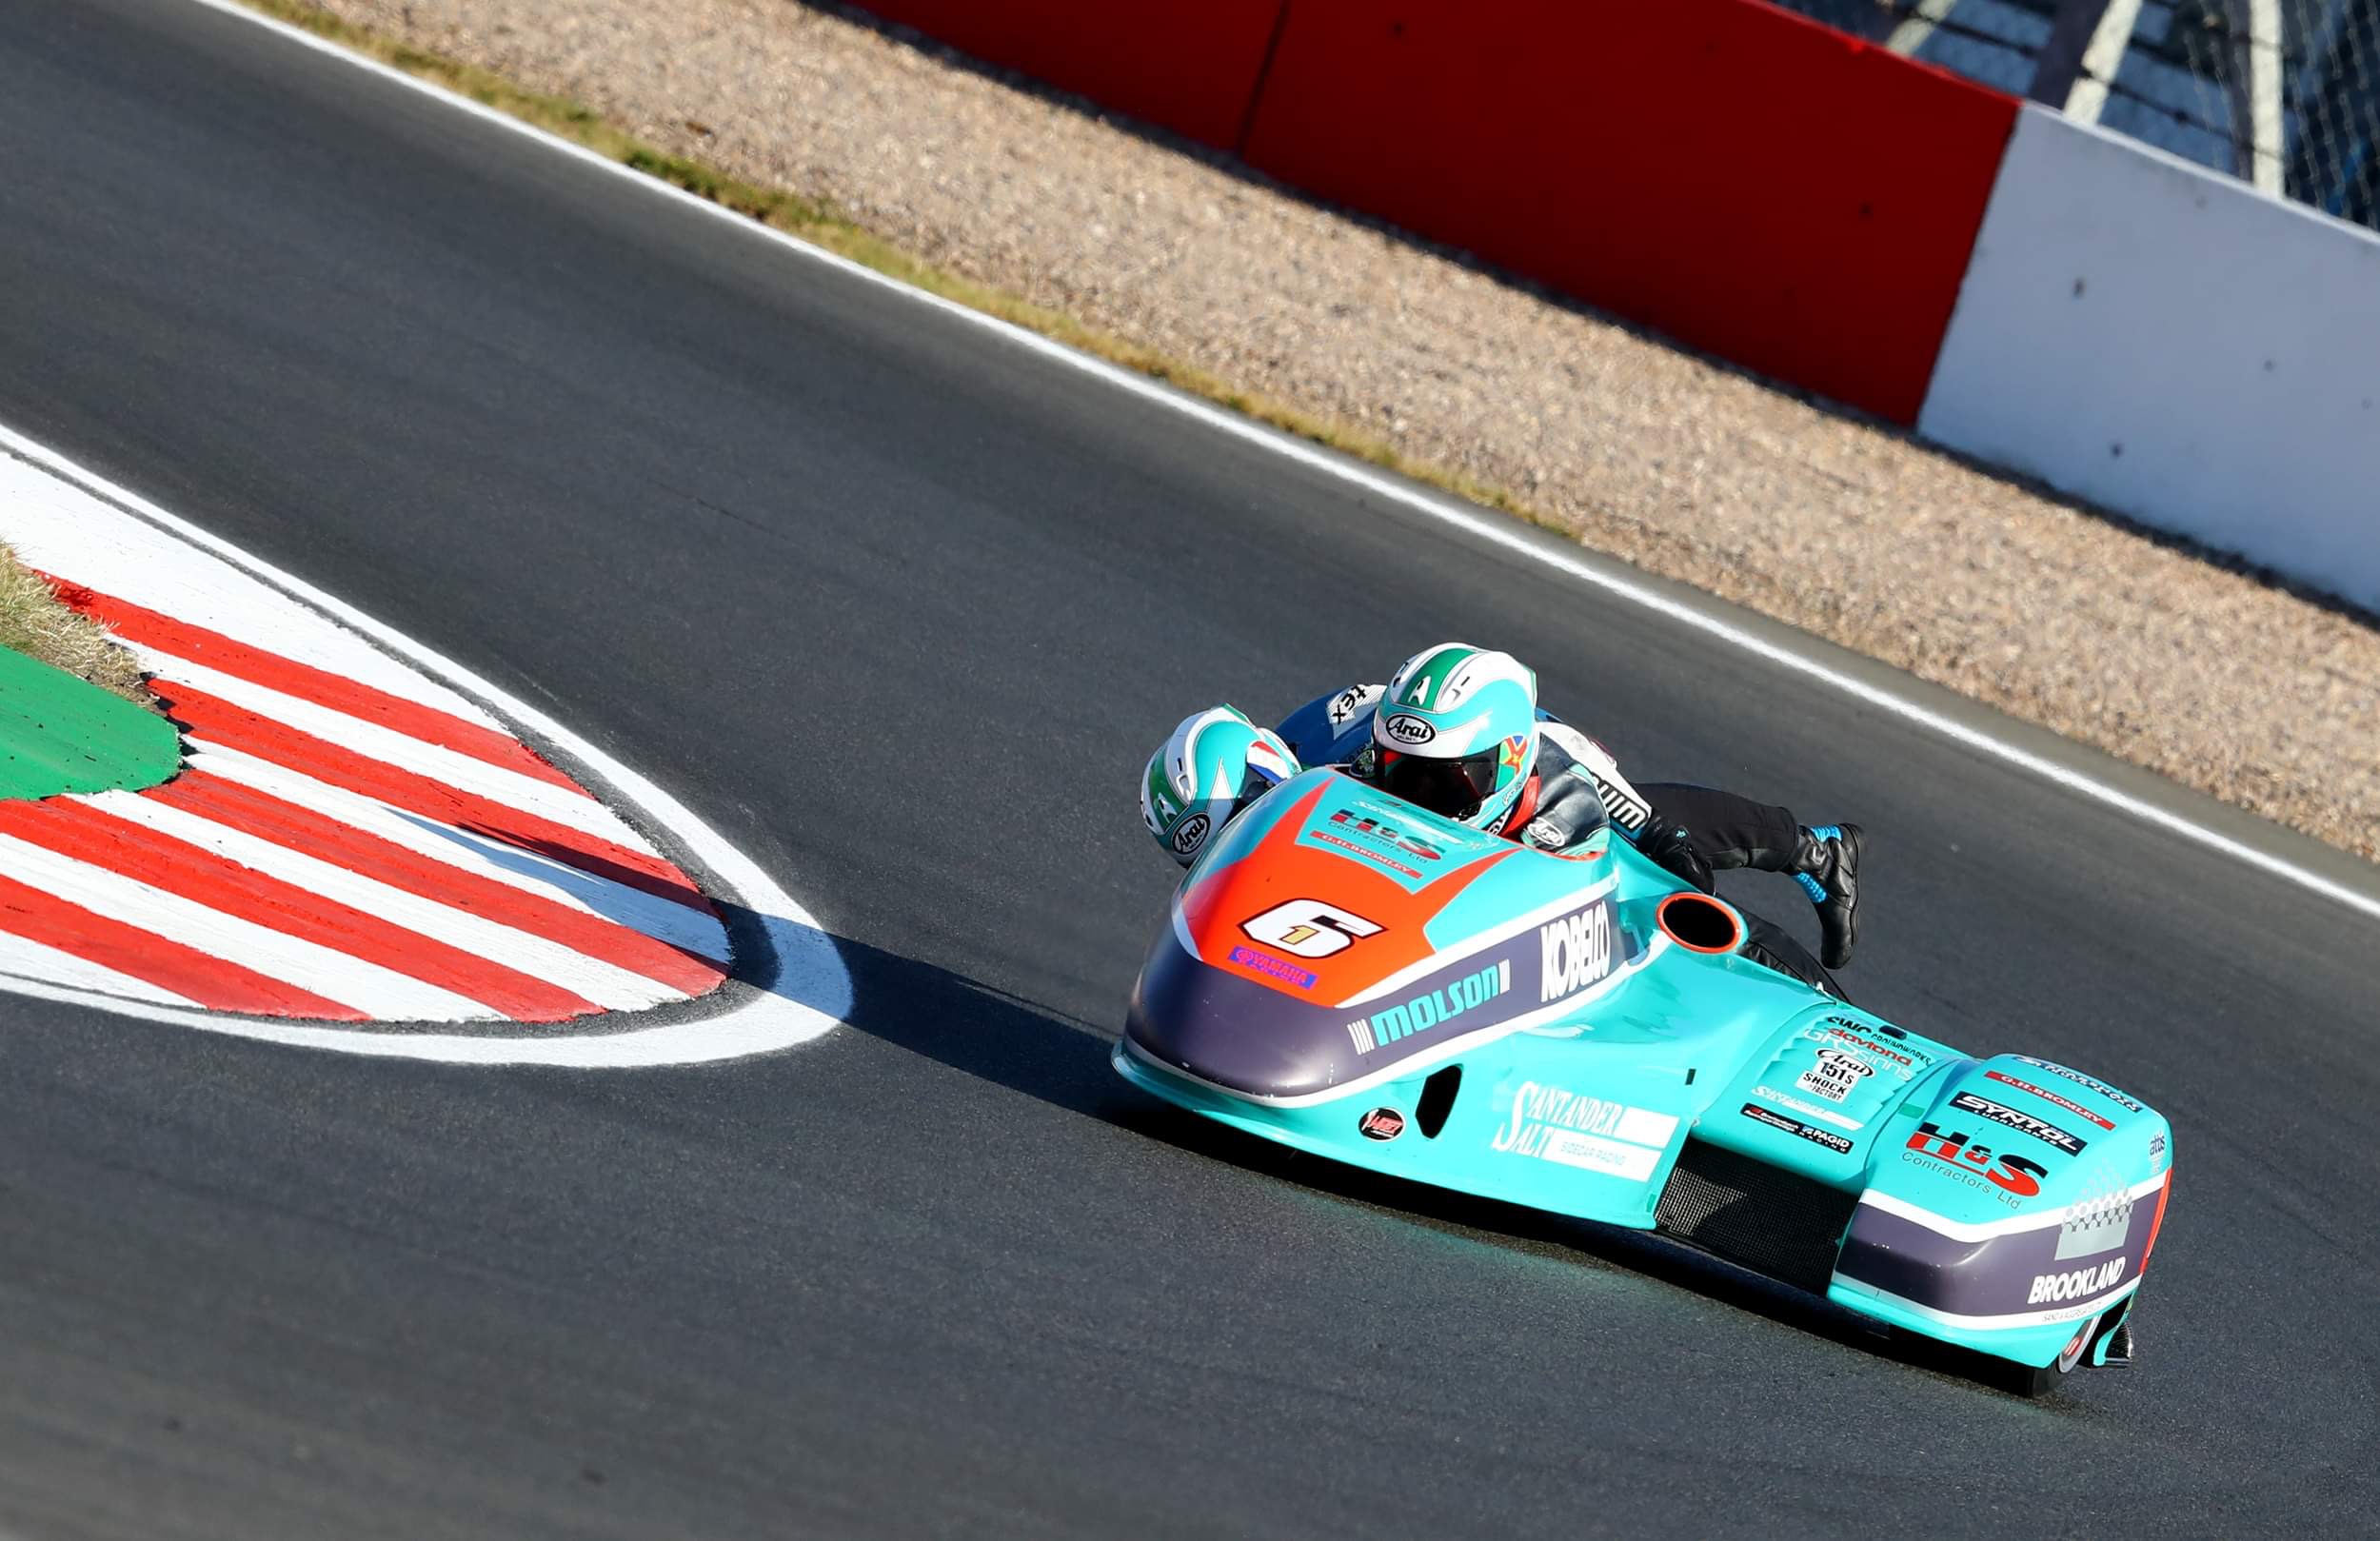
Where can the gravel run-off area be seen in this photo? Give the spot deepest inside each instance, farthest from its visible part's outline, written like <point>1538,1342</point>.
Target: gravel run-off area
<point>1681,466</point>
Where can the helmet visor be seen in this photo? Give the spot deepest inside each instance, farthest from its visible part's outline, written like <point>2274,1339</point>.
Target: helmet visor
<point>1450,788</point>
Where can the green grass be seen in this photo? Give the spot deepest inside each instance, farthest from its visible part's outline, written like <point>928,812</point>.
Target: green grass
<point>823,224</point>
<point>33,621</point>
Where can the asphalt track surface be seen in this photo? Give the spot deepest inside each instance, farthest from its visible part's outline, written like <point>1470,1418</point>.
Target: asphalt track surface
<point>901,607</point>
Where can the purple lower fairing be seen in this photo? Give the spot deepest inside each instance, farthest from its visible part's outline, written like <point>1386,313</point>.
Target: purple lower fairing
<point>2017,1274</point>
<point>1249,1037</point>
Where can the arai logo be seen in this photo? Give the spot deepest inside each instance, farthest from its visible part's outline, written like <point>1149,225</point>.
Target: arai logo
<point>1407,729</point>
<point>1191,835</point>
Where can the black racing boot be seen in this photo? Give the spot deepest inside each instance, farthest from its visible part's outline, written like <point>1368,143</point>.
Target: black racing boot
<point>1827,866</point>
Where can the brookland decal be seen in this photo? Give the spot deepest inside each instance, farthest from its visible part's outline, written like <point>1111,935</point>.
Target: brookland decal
<point>2049,1288</point>
<point>2000,1113</point>
<point>1554,1125</point>
<point>2014,1178</point>
<point>1575,952</point>
<point>2080,1079</point>
<point>1424,1012</point>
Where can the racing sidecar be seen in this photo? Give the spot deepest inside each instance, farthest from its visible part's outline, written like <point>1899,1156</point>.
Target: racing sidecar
<point>1349,975</point>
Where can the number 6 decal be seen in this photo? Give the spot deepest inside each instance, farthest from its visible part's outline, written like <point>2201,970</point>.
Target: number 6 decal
<point>1309,928</point>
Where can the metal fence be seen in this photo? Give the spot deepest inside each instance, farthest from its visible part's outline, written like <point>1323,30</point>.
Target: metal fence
<point>2283,93</point>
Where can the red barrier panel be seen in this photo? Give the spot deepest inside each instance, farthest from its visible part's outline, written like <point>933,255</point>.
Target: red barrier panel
<point>1747,182</point>
<point>1190,66</point>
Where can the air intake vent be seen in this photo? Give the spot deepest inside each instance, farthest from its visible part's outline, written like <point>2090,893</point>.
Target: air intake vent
<point>1437,1100</point>
<point>1766,1219</point>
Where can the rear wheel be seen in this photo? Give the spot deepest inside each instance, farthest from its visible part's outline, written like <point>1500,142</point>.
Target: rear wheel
<point>2040,1380</point>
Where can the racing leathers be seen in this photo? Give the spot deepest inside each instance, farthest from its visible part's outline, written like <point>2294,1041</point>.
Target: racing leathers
<point>1576,787</point>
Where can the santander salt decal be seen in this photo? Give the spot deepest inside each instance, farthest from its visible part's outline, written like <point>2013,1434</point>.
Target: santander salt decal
<point>361,852</point>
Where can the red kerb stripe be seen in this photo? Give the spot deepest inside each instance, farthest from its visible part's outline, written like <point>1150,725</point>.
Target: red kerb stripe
<point>321,686</point>
<point>211,719</point>
<point>257,813</point>
<point>43,918</point>
<point>77,829</point>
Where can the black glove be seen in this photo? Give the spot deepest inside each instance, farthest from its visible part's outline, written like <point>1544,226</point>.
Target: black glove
<point>1669,846</point>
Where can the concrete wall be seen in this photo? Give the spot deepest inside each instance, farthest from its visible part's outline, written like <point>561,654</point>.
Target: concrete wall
<point>2169,344</point>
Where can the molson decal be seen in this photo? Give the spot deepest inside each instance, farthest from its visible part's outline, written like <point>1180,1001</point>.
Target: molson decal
<point>1424,1012</point>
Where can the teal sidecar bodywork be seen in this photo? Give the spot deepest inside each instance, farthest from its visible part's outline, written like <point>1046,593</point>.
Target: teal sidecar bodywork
<point>1346,973</point>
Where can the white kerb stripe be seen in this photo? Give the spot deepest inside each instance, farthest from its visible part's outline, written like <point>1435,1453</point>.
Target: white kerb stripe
<point>663,919</point>
<point>1494,529</point>
<point>31,960</point>
<point>350,981</point>
<point>570,808</point>
<point>606,985</point>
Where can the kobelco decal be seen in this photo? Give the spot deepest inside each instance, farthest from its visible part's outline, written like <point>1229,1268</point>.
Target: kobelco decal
<point>1422,1013</point>
<point>1577,952</point>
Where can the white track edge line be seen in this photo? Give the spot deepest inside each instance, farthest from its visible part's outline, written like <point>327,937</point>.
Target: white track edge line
<point>1480,524</point>
<point>765,1020</point>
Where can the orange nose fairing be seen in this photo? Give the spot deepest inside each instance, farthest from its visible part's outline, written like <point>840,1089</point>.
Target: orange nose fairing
<point>1234,913</point>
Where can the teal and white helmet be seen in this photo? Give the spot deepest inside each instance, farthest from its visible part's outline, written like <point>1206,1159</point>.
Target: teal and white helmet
<point>1216,763</point>
<point>1457,733</point>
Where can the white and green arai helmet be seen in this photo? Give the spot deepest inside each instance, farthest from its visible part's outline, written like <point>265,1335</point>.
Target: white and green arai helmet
<point>1457,733</point>
<point>1216,763</point>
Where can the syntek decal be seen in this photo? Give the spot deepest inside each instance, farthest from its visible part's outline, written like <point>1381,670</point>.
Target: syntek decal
<point>1422,1013</point>
<point>2048,1289</point>
<point>2000,1113</point>
<point>1381,1123</point>
<point>1577,952</point>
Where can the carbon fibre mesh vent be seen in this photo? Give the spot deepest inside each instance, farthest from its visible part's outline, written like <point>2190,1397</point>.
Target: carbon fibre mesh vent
<point>1765,1217</point>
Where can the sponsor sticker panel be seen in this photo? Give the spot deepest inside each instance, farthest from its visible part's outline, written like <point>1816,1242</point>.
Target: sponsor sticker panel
<point>1826,1139</point>
<point>2017,1118</point>
<point>1553,1123</point>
